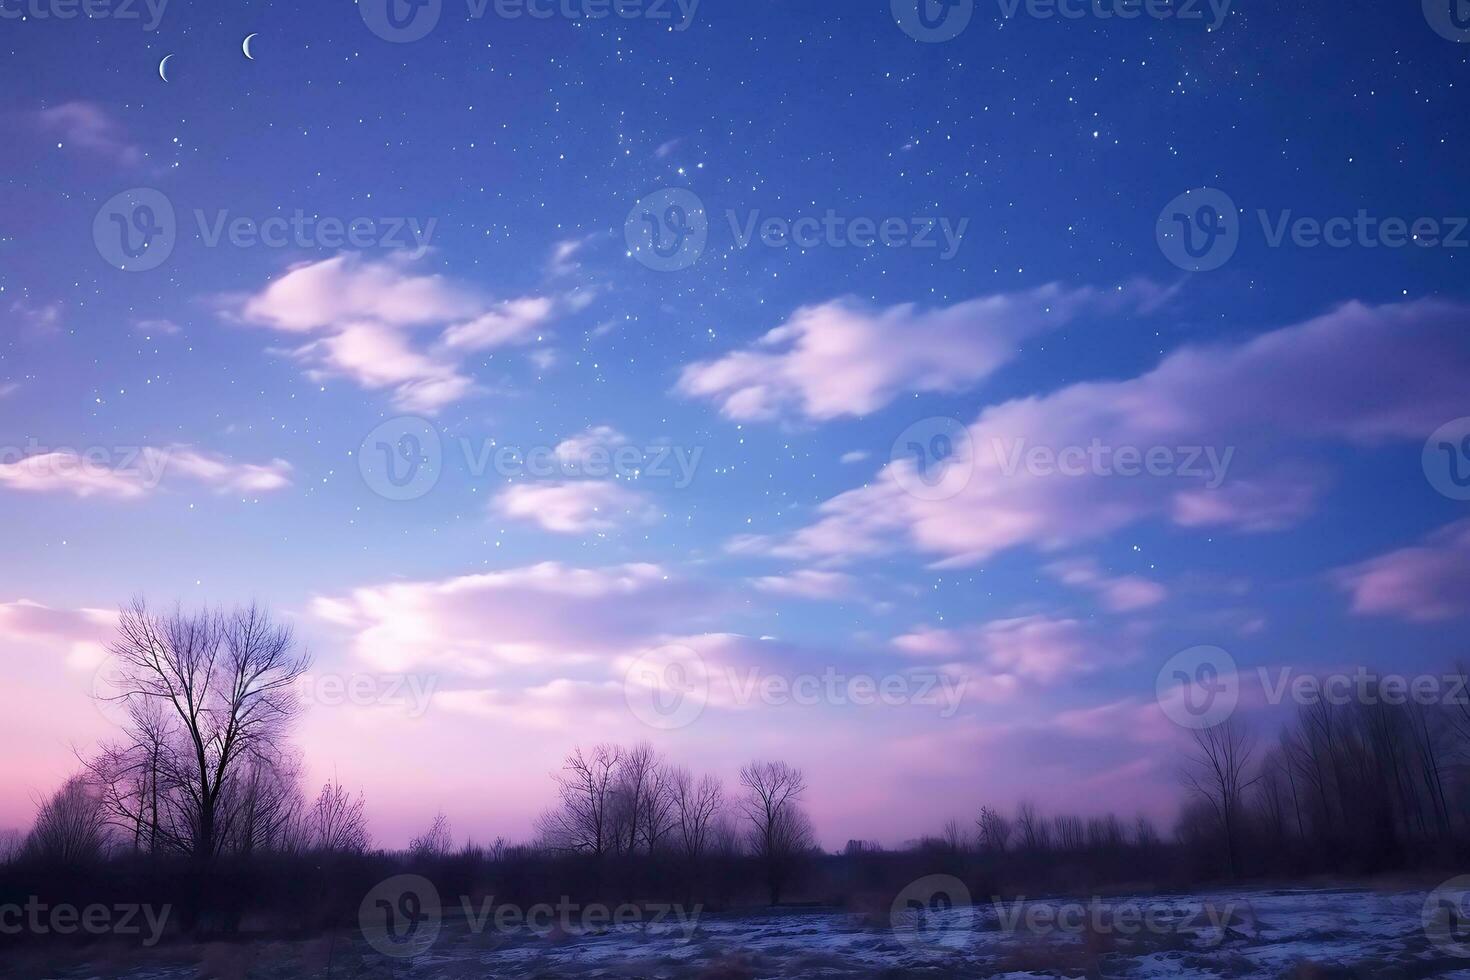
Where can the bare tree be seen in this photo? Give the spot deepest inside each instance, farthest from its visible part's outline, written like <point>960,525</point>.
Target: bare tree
<point>338,821</point>
<point>994,831</point>
<point>695,807</point>
<point>435,842</point>
<point>210,696</point>
<point>583,819</point>
<point>71,827</point>
<point>954,837</point>
<point>1215,773</point>
<point>634,787</point>
<point>780,831</point>
<point>659,813</point>
<point>12,845</point>
<point>1033,833</point>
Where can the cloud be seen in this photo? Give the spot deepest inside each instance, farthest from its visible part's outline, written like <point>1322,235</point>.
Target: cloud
<point>128,474</point>
<point>347,289</point>
<point>511,322</point>
<point>856,456</point>
<point>808,583</point>
<point>166,327</point>
<point>1423,584</point>
<point>378,357</point>
<point>44,319</point>
<point>83,631</point>
<point>88,125</point>
<point>1030,648</point>
<point>1234,422</point>
<point>362,317</point>
<point>573,507</point>
<point>574,451</point>
<point>1125,593</point>
<point>843,358</point>
<point>563,261</point>
<point>544,616</point>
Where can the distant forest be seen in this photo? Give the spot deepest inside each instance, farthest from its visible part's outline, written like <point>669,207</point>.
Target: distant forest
<point>198,802</point>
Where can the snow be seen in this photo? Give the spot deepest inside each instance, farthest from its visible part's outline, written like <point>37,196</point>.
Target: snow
<point>1267,933</point>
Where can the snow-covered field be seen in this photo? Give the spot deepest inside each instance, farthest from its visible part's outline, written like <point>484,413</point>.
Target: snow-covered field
<point>1343,932</point>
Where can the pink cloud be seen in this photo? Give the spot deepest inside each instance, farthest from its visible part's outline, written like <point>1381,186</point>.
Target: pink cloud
<point>1125,593</point>
<point>808,583</point>
<point>574,507</point>
<point>842,358</point>
<point>1031,649</point>
<point>128,474</point>
<point>544,615</point>
<point>363,315</point>
<point>1425,583</point>
<point>1361,375</point>
<point>89,126</point>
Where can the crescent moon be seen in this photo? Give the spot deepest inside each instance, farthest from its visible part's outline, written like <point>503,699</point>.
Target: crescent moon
<point>245,46</point>
<point>163,67</point>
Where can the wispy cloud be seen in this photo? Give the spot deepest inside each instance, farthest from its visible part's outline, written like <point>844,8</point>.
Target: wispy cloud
<point>843,358</point>
<point>363,315</point>
<point>574,507</point>
<point>1266,403</point>
<point>89,126</point>
<point>132,473</point>
<point>1425,583</point>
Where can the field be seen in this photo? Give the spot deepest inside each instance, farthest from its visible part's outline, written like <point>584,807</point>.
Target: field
<point>1307,933</point>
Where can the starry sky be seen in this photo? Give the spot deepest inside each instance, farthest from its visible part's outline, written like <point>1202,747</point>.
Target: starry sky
<point>207,420</point>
